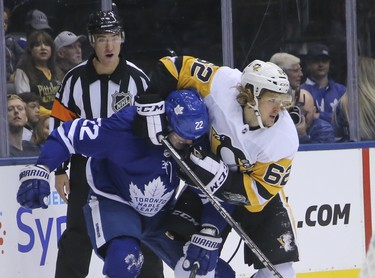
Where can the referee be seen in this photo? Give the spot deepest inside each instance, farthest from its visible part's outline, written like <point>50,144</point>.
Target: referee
<point>98,87</point>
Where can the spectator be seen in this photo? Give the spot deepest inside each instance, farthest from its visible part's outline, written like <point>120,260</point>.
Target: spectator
<point>68,50</point>
<point>99,87</point>
<point>37,72</point>
<point>36,20</point>
<point>292,67</point>
<point>310,128</point>
<point>17,120</point>
<point>41,131</point>
<point>15,42</point>
<point>32,112</point>
<point>10,58</point>
<point>340,120</point>
<point>325,91</point>
<point>366,100</point>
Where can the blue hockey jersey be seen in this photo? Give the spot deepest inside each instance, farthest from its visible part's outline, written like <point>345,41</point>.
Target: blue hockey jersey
<point>122,166</point>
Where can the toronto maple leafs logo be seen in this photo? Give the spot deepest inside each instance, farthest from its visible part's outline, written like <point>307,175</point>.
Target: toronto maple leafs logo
<point>152,200</point>
<point>179,110</point>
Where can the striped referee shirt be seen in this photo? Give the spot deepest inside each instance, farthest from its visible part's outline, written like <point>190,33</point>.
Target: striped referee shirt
<point>86,94</point>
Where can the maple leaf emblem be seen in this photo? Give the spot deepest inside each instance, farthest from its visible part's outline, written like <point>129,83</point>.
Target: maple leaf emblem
<point>152,200</point>
<point>178,110</point>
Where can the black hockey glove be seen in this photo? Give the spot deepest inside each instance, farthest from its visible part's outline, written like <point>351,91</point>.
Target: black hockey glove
<point>150,119</point>
<point>184,220</point>
<point>211,170</point>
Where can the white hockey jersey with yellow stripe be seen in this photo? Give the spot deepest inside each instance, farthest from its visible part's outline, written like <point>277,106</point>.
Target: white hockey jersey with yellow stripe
<point>262,158</point>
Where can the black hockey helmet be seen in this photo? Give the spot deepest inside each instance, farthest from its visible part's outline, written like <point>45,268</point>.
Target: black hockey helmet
<point>102,22</point>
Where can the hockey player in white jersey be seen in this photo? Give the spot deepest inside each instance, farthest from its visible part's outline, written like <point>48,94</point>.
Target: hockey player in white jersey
<point>133,181</point>
<point>252,132</point>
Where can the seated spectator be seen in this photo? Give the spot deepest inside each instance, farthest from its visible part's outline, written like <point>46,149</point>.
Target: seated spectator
<point>41,131</point>
<point>310,128</point>
<point>37,20</point>
<point>10,59</point>
<point>340,120</point>
<point>17,120</point>
<point>366,103</point>
<point>36,71</point>
<point>14,41</point>
<point>32,112</point>
<point>68,50</point>
<point>325,91</point>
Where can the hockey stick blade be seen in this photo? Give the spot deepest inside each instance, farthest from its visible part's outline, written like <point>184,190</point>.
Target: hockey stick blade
<point>227,217</point>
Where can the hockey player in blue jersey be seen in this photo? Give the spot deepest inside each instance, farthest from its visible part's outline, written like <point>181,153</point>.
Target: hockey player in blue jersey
<point>133,183</point>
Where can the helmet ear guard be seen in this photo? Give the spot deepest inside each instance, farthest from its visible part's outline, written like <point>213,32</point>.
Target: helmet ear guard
<point>187,114</point>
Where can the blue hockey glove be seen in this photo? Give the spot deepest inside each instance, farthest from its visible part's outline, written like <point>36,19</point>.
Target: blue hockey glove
<point>203,250</point>
<point>211,170</point>
<point>150,119</point>
<point>34,189</point>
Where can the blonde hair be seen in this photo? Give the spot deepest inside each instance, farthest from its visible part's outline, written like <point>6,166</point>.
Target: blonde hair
<point>245,95</point>
<point>366,99</point>
<point>285,60</point>
<point>15,97</point>
<point>38,136</point>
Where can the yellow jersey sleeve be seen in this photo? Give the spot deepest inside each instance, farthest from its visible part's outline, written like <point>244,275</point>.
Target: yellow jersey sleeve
<point>191,72</point>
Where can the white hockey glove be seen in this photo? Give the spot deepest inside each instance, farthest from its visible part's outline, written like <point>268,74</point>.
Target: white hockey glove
<point>203,250</point>
<point>34,189</point>
<point>150,119</point>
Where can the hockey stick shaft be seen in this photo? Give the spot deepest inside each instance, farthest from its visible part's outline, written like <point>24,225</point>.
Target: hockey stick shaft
<point>227,217</point>
<point>194,269</point>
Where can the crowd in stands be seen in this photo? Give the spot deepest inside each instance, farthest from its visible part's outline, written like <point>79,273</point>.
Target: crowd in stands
<point>36,63</point>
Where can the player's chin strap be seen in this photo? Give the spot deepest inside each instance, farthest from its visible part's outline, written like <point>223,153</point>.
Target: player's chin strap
<point>256,111</point>
<point>227,217</point>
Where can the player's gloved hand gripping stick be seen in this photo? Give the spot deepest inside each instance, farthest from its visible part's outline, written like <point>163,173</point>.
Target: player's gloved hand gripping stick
<point>202,251</point>
<point>253,247</point>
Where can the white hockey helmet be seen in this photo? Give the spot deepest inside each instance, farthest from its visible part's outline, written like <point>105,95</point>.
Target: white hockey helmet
<point>265,75</point>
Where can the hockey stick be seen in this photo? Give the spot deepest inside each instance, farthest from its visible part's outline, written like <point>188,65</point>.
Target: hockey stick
<point>194,270</point>
<point>235,226</point>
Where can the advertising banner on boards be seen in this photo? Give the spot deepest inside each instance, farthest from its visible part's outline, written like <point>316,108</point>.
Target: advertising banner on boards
<point>325,192</point>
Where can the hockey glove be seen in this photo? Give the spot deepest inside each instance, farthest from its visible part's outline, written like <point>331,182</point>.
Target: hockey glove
<point>150,119</point>
<point>203,250</point>
<point>184,220</point>
<point>211,170</point>
<point>35,188</point>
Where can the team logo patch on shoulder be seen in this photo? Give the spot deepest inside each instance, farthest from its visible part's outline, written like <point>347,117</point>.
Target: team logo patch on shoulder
<point>121,100</point>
